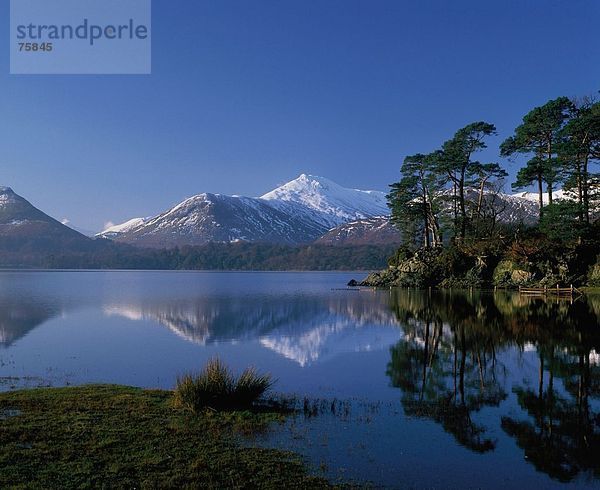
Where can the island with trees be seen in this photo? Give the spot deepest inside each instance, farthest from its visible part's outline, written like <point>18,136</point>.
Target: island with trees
<point>447,205</point>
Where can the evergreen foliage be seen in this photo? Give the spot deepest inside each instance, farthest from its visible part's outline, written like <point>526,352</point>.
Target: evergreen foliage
<point>446,200</point>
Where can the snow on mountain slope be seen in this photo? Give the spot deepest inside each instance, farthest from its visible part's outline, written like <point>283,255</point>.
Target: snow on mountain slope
<point>23,227</point>
<point>534,196</point>
<point>115,230</point>
<point>300,211</point>
<point>369,231</point>
<point>509,209</point>
<point>335,204</point>
<point>297,212</point>
<point>218,218</point>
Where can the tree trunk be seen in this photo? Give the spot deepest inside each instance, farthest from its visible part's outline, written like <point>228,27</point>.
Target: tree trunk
<point>426,222</point>
<point>480,198</point>
<point>463,210</point>
<point>550,180</point>
<point>586,183</point>
<point>541,192</point>
<point>580,190</point>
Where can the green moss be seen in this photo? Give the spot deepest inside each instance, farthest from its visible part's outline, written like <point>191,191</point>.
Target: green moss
<point>112,436</point>
<point>508,274</point>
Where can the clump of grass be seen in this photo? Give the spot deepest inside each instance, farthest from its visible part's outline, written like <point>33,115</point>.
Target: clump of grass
<point>216,387</point>
<point>251,385</point>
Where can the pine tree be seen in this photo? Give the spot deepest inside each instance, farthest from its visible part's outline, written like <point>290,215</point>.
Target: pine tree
<point>579,149</point>
<point>414,201</point>
<point>539,135</point>
<point>455,161</point>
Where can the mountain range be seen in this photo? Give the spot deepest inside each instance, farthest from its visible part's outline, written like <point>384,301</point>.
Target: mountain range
<point>298,212</point>
<point>307,210</point>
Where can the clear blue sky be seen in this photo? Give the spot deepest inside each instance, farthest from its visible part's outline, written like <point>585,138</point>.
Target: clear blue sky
<point>246,95</point>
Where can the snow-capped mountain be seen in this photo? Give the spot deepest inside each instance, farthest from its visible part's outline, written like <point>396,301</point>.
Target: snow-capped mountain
<point>115,230</point>
<point>534,196</point>
<point>334,203</point>
<point>298,212</point>
<point>368,231</point>
<point>306,209</point>
<point>509,209</point>
<point>24,228</point>
<point>218,218</point>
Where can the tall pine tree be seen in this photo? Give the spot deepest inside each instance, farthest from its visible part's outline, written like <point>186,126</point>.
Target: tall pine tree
<point>455,160</point>
<point>539,136</point>
<point>414,201</point>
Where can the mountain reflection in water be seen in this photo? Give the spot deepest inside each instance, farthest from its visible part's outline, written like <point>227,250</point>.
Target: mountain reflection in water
<point>308,329</point>
<point>491,370</point>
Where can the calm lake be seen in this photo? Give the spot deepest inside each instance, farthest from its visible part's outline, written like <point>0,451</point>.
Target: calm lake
<point>431,389</point>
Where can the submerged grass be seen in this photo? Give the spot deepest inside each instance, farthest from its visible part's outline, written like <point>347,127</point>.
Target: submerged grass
<point>113,436</point>
<point>215,387</point>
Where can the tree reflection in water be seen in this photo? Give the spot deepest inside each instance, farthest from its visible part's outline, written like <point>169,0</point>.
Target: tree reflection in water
<point>448,368</point>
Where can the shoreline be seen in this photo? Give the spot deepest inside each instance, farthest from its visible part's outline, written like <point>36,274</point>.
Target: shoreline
<point>116,435</point>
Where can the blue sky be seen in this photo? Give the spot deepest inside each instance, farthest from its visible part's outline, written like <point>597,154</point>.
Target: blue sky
<point>246,95</point>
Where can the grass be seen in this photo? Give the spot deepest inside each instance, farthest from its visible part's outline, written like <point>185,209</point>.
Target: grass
<point>215,387</point>
<point>120,437</point>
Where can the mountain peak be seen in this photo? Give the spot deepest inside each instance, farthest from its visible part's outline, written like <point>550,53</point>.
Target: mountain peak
<point>297,212</point>
<point>308,180</point>
<point>8,197</point>
<point>25,227</point>
<point>335,204</point>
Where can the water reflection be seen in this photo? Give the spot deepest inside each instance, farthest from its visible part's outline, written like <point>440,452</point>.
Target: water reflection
<point>450,366</point>
<point>305,329</point>
<point>19,316</point>
<point>490,370</point>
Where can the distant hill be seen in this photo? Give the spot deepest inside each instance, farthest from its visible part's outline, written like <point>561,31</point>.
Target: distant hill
<point>24,229</point>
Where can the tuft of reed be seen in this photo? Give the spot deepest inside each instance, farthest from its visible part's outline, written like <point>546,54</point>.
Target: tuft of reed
<point>215,387</point>
<point>251,385</point>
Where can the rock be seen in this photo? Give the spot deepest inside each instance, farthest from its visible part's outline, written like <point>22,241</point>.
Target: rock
<point>509,274</point>
<point>352,283</point>
<point>520,277</point>
<point>380,279</point>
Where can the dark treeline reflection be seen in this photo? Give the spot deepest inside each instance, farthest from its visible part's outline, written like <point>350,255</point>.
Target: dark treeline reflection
<point>455,360</point>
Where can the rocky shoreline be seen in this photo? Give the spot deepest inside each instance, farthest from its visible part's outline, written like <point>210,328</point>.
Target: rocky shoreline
<point>452,268</point>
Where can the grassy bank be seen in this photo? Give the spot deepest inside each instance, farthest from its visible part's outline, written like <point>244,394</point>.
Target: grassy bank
<point>113,436</point>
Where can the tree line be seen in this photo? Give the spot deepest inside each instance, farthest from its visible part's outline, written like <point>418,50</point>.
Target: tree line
<point>212,256</point>
<point>449,195</point>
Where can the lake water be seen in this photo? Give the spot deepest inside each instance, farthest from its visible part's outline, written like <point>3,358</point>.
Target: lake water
<point>433,389</point>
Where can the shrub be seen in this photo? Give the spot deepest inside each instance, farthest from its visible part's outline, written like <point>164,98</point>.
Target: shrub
<point>215,387</point>
<point>403,253</point>
<point>594,274</point>
<point>250,386</point>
